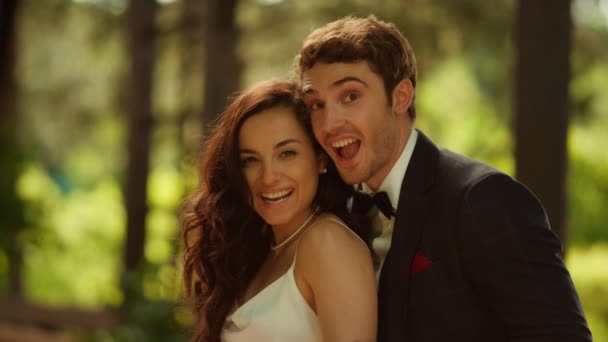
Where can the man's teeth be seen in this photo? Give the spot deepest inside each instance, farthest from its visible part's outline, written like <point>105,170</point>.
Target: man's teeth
<point>276,195</point>
<point>343,143</point>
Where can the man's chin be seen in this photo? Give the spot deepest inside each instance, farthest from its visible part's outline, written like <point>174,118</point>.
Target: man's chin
<point>351,177</point>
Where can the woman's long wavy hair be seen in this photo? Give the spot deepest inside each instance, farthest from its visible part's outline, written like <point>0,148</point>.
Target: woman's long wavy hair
<point>225,243</point>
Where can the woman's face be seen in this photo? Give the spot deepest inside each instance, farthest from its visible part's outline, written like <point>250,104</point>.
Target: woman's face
<point>280,166</point>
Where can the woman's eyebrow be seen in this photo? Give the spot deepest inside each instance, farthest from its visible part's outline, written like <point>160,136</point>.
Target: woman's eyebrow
<point>276,146</point>
<point>286,142</point>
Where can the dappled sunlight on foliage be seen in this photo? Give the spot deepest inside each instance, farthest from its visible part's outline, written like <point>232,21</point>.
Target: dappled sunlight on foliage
<point>3,271</point>
<point>63,263</point>
<point>35,186</point>
<point>70,65</point>
<point>83,225</point>
<point>589,269</point>
<point>163,285</point>
<point>588,94</point>
<point>452,110</point>
<point>587,141</point>
<point>166,186</point>
<point>162,232</point>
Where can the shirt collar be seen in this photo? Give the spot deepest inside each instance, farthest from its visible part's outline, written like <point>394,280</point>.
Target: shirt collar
<point>392,183</point>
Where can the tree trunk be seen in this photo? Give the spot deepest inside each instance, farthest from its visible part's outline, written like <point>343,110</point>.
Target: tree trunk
<point>141,39</point>
<point>191,52</point>
<point>12,218</point>
<point>222,67</point>
<point>541,103</point>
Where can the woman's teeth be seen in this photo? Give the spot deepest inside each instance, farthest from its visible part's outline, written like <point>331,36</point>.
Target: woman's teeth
<point>276,196</point>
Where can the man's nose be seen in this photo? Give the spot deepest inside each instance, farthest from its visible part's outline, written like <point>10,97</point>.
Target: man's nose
<point>334,118</point>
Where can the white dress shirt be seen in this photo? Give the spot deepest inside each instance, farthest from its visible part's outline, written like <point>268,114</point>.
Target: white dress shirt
<point>382,226</point>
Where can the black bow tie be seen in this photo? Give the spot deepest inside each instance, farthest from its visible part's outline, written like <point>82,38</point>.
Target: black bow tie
<point>364,202</point>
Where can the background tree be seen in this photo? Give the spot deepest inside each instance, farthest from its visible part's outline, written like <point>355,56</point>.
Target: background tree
<point>541,103</point>
<point>140,19</point>
<point>11,219</point>
<point>222,66</point>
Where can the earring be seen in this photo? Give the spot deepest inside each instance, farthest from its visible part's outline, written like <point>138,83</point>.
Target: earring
<point>323,171</point>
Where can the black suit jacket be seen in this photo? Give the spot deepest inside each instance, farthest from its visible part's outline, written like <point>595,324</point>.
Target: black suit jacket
<point>497,272</point>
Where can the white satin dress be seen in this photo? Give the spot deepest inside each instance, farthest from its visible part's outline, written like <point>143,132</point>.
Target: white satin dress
<point>277,313</point>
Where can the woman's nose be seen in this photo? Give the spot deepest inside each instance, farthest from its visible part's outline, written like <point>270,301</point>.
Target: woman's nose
<point>270,174</point>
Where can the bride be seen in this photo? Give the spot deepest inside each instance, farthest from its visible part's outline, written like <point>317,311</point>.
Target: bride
<point>271,251</point>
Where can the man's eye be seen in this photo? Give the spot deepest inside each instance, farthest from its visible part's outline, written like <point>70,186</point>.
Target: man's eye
<point>315,106</point>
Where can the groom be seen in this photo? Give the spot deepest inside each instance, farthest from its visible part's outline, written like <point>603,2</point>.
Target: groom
<point>466,252</point>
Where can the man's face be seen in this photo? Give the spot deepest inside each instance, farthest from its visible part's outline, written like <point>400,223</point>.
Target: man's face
<point>353,121</point>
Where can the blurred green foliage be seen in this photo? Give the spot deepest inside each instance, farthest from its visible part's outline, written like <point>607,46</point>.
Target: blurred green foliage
<point>589,270</point>
<point>71,72</point>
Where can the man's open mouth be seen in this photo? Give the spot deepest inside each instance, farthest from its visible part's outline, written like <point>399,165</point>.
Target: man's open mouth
<point>346,148</point>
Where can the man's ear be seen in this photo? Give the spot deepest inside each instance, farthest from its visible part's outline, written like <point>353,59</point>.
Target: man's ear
<point>403,94</point>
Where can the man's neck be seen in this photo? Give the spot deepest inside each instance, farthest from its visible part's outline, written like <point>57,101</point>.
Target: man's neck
<point>392,183</point>
<point>375,182</point>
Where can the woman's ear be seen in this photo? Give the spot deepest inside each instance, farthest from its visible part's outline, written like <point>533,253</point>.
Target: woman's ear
<point>403,94</point>
<point>322,160</point>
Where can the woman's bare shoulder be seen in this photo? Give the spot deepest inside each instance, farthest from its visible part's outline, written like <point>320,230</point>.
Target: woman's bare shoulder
<point>330,227</point>
<point>328,236</point>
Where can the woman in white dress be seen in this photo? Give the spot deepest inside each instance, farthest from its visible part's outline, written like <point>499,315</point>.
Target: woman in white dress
<point>269,255</point>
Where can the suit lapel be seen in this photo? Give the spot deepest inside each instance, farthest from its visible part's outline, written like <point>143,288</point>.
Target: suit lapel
<point>414,205</point>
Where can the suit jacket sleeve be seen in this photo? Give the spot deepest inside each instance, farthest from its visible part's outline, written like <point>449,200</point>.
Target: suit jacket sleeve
<point>514,261</point>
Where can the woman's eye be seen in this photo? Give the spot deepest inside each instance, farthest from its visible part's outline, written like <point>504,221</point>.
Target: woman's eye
<point>287,154</point>
<point>247,161</point>
<point>350,97</point>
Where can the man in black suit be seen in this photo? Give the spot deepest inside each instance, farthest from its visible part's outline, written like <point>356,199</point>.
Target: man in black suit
<point>465,251</point>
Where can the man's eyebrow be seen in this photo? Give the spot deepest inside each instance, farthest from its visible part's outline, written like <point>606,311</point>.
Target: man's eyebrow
<point>348,79</point>
<point>307,89</point>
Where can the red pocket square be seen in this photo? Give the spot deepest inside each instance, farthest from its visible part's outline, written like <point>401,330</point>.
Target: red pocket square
<point>420,263</point>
